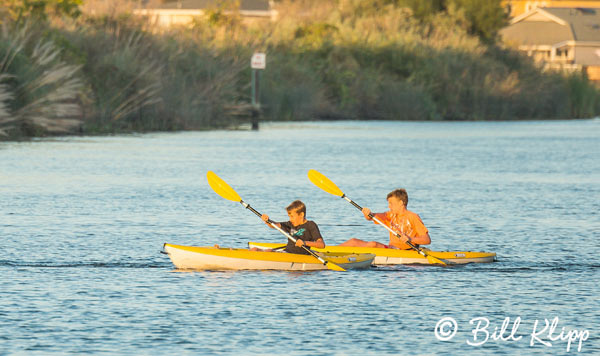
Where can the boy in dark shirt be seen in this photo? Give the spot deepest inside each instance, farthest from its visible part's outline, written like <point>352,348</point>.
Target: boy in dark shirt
<point>306,232</point>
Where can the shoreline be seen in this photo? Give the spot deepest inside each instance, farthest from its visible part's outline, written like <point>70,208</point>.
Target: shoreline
<point>282,124</point>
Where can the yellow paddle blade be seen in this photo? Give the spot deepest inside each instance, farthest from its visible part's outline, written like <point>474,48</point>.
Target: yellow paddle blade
<point>435,261</point>
<point>332,266</point>
<point>221,187</point>
<point>324,183</point>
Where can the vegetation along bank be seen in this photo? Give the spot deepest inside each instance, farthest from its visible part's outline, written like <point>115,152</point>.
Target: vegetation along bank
<point>82,67</point>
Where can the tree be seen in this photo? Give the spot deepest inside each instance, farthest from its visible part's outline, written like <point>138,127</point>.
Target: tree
<point>423,9</point>
<point>40,9</point>
<point>486,17</point>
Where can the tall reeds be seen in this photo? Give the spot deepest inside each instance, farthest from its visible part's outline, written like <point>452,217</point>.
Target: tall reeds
<point>122,74</point>
<point>5,97</point>
<point>41,92</point>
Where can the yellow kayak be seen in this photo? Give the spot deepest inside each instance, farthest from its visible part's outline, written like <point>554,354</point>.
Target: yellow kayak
<point>219,258</point>
<point>389,256</point>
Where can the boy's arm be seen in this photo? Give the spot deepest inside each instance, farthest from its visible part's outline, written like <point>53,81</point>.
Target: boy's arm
<point>379,216</point>
<point>315,237</point>
<point>420,239</point>
<point>421,233</point>
<point>318,244</point>
<point>265,218</point>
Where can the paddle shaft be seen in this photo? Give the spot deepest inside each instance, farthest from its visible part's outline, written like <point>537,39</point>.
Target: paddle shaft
<point>273,224</point>
<point>384,225</point>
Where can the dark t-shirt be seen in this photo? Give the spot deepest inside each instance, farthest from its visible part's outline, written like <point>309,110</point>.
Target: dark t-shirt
<point>309,231</point>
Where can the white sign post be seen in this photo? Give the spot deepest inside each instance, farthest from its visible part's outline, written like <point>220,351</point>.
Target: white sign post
<point>258,61</point>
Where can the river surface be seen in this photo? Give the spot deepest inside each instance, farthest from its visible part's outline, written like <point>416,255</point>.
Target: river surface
<point>82,221</point>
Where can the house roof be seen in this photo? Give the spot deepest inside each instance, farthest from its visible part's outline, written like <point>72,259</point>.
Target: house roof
<point>537,33</point>
<point>548,26</point>
<point>584,22</point>
<point>245,5</point>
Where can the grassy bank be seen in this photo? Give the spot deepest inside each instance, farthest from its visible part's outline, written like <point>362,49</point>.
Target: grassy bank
<point>110,72</point>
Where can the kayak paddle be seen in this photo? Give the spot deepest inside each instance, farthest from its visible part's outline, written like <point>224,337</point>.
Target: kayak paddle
<point>321,181</point>
<point>224,190</point>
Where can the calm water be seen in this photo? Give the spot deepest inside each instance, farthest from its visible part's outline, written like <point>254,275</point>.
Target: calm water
<point>82,221</point>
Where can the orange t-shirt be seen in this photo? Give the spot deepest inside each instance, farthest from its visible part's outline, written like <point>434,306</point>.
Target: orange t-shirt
<point>408,223</point>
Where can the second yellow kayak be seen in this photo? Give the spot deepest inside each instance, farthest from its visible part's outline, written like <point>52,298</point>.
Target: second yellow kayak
<point>389,256</point>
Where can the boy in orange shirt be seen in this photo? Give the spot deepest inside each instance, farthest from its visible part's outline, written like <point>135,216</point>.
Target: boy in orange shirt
<point>406,223</point>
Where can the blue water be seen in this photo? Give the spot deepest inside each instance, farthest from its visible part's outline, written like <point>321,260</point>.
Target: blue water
<point>82,221</point>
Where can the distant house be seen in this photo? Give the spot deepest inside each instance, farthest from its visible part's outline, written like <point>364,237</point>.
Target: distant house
<point>516,8</point>
<point>183,12</point>
<point>560,38</point>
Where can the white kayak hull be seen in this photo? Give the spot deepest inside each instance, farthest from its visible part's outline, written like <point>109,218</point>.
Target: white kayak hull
<point>212,258</point>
